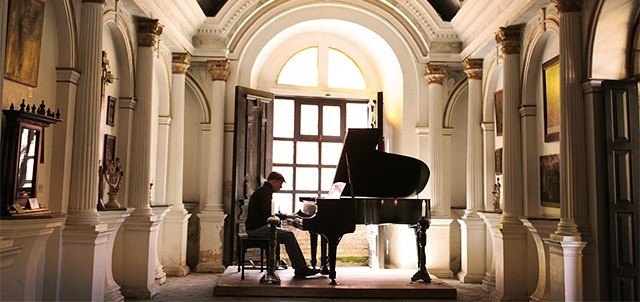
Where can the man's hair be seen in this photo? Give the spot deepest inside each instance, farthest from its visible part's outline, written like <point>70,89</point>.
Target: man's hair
<point>276,176</point>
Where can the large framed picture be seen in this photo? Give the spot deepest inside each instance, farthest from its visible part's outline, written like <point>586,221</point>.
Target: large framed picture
<point>24,37</point>
<point>551,89</point>
<point>550,180</point>
<point>498,98</point>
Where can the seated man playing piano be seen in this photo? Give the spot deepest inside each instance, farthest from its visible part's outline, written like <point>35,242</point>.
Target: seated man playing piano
<point>256,224</point>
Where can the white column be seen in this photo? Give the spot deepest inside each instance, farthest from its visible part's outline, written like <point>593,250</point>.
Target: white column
<point>573,184</point>
<point>441,206</point>
<point>212,215</point>
<point>141,228</point>
<point>511,271</point>
<point>173,252</point>
<point>84,238</point>
<point>472,227</point>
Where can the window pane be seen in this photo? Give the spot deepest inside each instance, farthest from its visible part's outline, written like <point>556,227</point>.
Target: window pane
<point>287,173</point>
<point>343,72</point>
<point>298,204</point>
<point>307,153</point>
<point>306,178</point>
<point>328,174</point>
<point>282,202</point>
<point>282,152</point>
<point>283,114</point>
<point>357,115</point>
<point>309,120</point>
<point>331,120</point>
<point>331,153</point>
<point>301,69</point>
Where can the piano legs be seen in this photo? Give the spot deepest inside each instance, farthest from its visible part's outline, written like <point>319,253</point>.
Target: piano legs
<point>421,242</point>
<point>324,268</point>
<point>333,241</point>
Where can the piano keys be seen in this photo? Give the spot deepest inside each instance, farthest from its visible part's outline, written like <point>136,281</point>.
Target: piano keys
<point>375,186</point>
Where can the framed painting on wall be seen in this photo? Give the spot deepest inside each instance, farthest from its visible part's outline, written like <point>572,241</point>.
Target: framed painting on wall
<point>24,37</point>
<point>550,180</point>
<point>498,161</point>
<point>498,99</point>
<point>551,94</point>
<point>109,149</point>
<point>111,110</point>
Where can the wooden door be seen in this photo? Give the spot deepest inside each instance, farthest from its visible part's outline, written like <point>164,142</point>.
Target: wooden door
<point>252,145</point>
<point>623,166</point>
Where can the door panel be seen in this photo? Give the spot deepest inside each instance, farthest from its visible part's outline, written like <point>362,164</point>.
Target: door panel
<point>623,162</point>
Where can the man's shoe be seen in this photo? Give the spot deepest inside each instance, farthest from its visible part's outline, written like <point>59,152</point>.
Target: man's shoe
<point>282,264</point>
<point>305,272</point>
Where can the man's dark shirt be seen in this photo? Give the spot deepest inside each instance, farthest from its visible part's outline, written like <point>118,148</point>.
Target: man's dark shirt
<point>259,207</point>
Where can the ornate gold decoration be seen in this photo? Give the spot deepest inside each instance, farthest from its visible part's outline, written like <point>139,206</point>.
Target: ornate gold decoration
<point>567,6</point>
<point>107,77</point>
<point>181,62</point>
<point>113,175</point>
<point>473,68</point>
<point>509,39</point>
<point>436,73</point>
<point>219,70</point>
<point>149,32</point>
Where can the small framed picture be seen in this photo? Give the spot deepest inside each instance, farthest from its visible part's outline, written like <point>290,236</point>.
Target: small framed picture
<point>551,87</point>
<point>109,149</point>
<point>498,161</point>
<point>111,110</point>
<point>498,98</point>
<point>33,203</point>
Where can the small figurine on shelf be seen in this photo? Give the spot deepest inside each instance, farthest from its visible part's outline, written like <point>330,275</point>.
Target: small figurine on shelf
<point>496,197</point>
<point>113,174</point>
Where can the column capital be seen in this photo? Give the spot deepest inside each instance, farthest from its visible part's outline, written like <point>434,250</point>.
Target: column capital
<point>473,68</point>
<point>568,6</point>
<point>219,69</point>
<point>149,32</point>
<point>436,73</point>
<point>180,62</point>
<point>509,39</point>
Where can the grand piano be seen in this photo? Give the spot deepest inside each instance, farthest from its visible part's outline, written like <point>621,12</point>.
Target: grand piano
<point>375,184</point>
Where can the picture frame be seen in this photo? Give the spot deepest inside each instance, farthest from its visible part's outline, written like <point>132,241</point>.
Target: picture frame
<point>109,149</point>
<point>24,39</point>
<point>111,110</point>
<point>498,161</point>
<point>550,180</point>
<point>498,98</point>
<point>551,99</point>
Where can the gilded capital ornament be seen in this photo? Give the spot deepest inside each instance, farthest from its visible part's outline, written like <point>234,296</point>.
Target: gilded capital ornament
<point>181,62</point>
<point>149,32</point>
<point>436,73</point>
<point>509,39</point>
<point>473,68</point>
<point>567,6</point>
<point>219,70</point>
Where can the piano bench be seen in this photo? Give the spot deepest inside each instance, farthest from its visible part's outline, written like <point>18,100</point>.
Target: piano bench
<point>246,242</point>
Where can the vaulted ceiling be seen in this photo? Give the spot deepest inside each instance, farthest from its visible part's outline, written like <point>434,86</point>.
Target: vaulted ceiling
<point>446,8</point>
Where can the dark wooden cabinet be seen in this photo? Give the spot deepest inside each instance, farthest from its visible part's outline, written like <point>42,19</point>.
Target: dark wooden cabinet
<point>22,146</point>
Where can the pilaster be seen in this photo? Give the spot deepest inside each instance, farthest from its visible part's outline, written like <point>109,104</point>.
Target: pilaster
<point>173,251</point>
<point>436,75</point>
<point>212,215</point>
<point>489,281</point>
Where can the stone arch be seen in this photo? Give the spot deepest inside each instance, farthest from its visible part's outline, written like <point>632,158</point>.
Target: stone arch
<point>67,34</point>
<point>117,29</point>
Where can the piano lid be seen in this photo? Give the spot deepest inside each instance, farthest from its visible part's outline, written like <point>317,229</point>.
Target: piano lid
<point>369,172</point>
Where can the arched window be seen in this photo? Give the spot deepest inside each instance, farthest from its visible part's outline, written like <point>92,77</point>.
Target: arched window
<point>323,68</point>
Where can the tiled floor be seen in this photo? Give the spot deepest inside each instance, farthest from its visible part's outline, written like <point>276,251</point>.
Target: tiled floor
<point>199,287</point>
